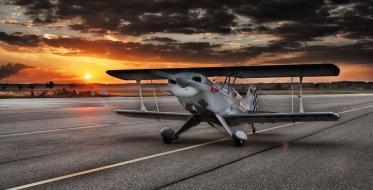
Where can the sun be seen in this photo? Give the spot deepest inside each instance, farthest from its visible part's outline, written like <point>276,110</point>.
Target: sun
<point>87,76</point>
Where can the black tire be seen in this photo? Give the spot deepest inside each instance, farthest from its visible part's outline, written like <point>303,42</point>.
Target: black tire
<point>239,142</point>
<point>167,140</point>
<point>167,135</point>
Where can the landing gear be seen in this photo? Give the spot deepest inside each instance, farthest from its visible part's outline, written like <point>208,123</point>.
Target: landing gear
<point>253,129</point>
<point>239,138</point>
<point>167,135</point>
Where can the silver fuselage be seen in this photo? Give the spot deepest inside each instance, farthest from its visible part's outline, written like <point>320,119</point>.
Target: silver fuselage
<point>198,94</point>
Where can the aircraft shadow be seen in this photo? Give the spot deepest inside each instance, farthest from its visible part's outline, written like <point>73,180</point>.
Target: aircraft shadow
<point>253,140</point>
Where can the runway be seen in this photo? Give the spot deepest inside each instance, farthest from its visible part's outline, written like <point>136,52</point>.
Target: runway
<point>80,143</point>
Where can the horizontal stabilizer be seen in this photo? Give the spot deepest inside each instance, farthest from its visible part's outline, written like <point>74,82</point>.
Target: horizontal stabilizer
<point>281,117</point>
<point>265,71</point>
<point>154,115</point>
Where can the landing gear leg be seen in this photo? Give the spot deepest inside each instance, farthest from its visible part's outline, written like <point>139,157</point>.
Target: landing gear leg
<point>253,129</point>
<point>168,134</point>
<point>239,137</point>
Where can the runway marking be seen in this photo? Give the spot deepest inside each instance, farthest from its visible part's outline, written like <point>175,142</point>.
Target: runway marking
<point>66,129</point>
<point>152,156</point>
<point>370,106</point>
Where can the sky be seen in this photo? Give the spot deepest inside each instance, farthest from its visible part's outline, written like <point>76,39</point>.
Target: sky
<point>78,40</point>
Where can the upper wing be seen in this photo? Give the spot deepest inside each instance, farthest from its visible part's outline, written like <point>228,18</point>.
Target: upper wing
<point>281,117</point>
<point>267,71</point>
<point>155,115</point>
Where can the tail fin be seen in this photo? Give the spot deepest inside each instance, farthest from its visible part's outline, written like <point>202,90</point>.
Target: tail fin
<point>251,99</point>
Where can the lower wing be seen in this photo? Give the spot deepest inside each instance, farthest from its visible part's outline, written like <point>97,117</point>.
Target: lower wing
<point>281,117</point>
<point>254,117</point>
<point>155,115</point>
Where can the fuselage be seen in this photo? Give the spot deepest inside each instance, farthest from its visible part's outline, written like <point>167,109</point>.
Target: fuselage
<point>198,94</point>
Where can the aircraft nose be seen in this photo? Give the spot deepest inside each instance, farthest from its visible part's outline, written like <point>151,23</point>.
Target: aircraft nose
<point>182,81</point>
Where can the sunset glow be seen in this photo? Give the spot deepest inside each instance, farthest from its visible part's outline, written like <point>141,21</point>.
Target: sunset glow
<point>88,76</point>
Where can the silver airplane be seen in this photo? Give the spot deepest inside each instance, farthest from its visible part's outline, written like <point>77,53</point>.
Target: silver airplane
<point>220,104</point>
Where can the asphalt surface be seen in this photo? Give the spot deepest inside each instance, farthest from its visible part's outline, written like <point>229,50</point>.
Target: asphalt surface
<point>81,144</point>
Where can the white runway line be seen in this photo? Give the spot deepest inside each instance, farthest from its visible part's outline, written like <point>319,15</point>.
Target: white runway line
<point>356,109</point>
<point>151,156</point>
<point>66,129</point>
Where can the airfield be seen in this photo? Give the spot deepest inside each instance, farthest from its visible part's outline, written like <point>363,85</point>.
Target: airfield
<point>80,143</point>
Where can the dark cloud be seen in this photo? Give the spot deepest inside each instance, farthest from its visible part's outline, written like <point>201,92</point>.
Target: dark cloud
<point>358,28</point>
<point>9,69</point>
<point>305,19</point>
<point>274,10</point>
<point>172,50</point>
<point>200,21</point>
<point>197,46</point>
<point>361,52</point>
<point>161,39</point>
<point>358,53</point>
<point>28,40</point>
<point>293,22</point>
<point>341,1</point>
<point>300,32</point>
<point>135,17</point>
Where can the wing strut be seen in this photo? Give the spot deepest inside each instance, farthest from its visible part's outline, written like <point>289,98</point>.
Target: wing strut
<point>292,96</point>
<point>301,109</point>
<point>224,124</point>
<point>143,107</point>
<point>155,97</point>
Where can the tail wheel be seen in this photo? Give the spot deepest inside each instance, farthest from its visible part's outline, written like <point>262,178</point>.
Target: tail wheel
<point>167,135</point>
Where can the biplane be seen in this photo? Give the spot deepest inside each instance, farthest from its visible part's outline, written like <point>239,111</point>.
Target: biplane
<point>220,104</point>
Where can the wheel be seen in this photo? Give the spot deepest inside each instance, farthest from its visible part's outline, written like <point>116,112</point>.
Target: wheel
<point>239,142</point>
<point>167,135</point>
<point>239,138</point>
